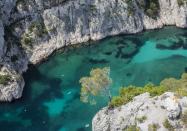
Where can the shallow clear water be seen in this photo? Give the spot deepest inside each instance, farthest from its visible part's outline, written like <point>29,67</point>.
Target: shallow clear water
<point>51,97</point>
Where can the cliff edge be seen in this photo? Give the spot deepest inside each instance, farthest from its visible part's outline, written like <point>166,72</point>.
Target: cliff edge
<point>144,113</point>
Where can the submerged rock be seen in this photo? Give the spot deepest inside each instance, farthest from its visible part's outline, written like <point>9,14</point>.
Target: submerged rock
<point>170,45</point>
<point>144,112</point>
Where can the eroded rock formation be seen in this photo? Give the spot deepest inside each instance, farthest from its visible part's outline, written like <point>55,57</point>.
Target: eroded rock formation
<point>144,113</point>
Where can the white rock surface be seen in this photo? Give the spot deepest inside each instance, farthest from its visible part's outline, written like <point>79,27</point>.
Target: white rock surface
<point>12,90</point>
<point>156,110</point>
<point>77,21</point>
<point>171,104</point>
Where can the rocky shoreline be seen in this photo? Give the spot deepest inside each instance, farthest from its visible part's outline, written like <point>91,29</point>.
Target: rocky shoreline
<point>144,113</point>
<point>30,31</point>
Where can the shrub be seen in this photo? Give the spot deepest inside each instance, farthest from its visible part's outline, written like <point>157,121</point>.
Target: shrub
<point>181,2</point>
<point>184,118</point>
<point>132,128</point>
<point>93,7</point>
<point>26,40</point>
<point>38,28</point>
<point>167,125</point>
<point>130,7</point>
<point>128,93</point>
<point>20,2</point>
<point>150,7</point>
<point>177,86</point>
<point>116,101</point>
<point>153,127</point>
<point>4,79</point>
<point>141,119</point>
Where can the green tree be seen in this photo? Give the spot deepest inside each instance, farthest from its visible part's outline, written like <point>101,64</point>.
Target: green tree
<point>99,81</point>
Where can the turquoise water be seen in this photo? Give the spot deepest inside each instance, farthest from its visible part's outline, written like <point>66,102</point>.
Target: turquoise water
<point>50,100</point>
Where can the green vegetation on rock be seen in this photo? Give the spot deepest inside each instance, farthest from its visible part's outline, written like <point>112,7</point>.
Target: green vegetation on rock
<point>20,2</point>
<point>177,86</point>
<point>130,8</point>
<point>126,94</point>
<point>4,79</point>
<point>181,2</point>
<point>26,40</point>
<point>153,127</point>
<point>132,128</point>
<point>35,29</point>
<point>141,119</point>
<point>152,8</point>
<point>167,125</point>
<point>38,28</point>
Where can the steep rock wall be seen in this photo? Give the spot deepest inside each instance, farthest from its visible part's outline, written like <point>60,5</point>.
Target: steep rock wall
<point>78,21</point>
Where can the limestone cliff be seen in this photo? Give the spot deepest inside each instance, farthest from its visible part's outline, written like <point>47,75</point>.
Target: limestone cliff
<point>162,113</point>
<point>30,30</point>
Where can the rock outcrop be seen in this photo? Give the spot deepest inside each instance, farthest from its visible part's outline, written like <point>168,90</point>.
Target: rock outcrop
<point>13,89</point>
<point>30,30</point>
<point>144,112</point>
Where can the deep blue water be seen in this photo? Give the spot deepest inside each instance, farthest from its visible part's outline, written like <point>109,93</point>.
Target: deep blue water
<point>50,99</point>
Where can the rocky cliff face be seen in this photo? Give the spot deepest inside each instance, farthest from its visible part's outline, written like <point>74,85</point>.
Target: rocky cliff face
<point>1,40</point>
<point>162,113</point>
<point>30,30</point>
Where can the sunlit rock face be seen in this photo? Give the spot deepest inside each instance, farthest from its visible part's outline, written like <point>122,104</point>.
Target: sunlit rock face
<point>170,14</point>
<point>76,21</point>
<point>82,20</point>
<point>13,89</point>
<point>72,22</point>
<point>154,110</point>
